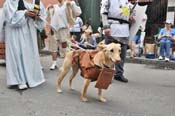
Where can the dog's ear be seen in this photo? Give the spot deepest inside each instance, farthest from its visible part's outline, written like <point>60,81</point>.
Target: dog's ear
<point>101,46</point>
<point>119,45</point>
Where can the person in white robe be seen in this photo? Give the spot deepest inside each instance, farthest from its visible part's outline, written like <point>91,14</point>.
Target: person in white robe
<point>22,57</point>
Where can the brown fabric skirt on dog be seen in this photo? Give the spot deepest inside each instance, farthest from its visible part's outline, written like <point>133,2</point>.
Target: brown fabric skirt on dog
<point>86,64</point>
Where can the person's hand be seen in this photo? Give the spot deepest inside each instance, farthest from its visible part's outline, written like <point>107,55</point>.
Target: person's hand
<point>37,17</point>
<point>30,13</point>
<point>49,6</point>
<point>132,19</point>
<point>169,36</point>
<point>87,44</point>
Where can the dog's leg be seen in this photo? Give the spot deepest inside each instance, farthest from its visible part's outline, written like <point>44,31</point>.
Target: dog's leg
<point>101,98</point>
<point>64,70</point>
<point>84,91</point>
<point>61,77</point>
<point>74,72</point>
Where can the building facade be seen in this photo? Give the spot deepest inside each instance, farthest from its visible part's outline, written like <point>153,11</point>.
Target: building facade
<point>171,10</point>
<point>158,11</point>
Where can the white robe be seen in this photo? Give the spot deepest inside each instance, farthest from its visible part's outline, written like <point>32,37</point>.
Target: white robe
<point>22,57</point>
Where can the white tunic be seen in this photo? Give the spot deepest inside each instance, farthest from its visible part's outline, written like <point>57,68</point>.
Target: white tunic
<point>116,9</point>
<point>59,18</point>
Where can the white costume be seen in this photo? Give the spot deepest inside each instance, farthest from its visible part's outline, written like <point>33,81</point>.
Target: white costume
<point>113,10</point>
<point>60,23</point>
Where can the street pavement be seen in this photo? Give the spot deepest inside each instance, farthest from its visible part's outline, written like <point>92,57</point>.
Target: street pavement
<point>150,92</point>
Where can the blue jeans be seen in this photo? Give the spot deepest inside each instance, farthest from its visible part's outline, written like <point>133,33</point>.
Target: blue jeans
<point>120,67</point>
<point>165,46</point>
<point>136,39</point>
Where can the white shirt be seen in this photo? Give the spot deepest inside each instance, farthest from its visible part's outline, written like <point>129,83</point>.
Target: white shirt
<point>117,9</point>
<point>77,25</point>
<point>59,18</point>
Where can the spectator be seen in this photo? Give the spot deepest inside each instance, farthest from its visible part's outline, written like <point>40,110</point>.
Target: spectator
<point>166,37</point>
<point>76,29</point>
<point>86,26</point>
<point>88,41</point>
<point>22,57</point>
<point>74,42</point>
<point>135,41</point>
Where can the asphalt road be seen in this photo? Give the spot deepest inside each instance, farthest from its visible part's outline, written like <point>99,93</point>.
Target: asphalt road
<point>150,92</point>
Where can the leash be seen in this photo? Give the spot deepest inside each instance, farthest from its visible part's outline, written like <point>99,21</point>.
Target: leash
<point>134,6</point>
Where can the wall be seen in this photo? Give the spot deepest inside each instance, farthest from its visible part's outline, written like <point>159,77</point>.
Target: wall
<point>91,12</point>
<point>171,10</point>
<point>1,3</point>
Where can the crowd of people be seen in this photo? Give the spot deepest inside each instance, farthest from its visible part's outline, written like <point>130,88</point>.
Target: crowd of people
<point>25,21</point>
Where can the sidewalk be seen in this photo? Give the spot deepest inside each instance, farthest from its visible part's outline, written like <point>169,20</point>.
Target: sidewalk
<point>154,62</point>
<point>142,60</point>
<point>136,60</point>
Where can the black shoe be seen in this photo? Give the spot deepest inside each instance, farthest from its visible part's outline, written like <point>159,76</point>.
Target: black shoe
<point>121,78</point>
<point>13,87</point>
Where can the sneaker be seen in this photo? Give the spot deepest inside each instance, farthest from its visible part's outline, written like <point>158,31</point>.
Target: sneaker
<point>160,58</point>
<point>53,67</point>
<point>22,86</point>
<point>167,59</point>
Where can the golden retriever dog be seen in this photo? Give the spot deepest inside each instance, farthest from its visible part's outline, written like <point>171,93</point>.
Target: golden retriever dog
<point>107,55</point>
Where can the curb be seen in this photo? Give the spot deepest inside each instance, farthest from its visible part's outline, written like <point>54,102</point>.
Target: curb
<point>155,62</point>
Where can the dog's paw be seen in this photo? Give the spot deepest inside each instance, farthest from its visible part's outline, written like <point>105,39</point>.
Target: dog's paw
<point>84,99</point>
<point>102,99</point>
<point>59,91</point>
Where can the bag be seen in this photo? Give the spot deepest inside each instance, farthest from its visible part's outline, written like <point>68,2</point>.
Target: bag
<point>150,48</point>
<point>72,11</point>
<point>150,51</point>
<point>90,73</point>
<point>105,78</point>
<point>88,69</point>
<point>76,10</point>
